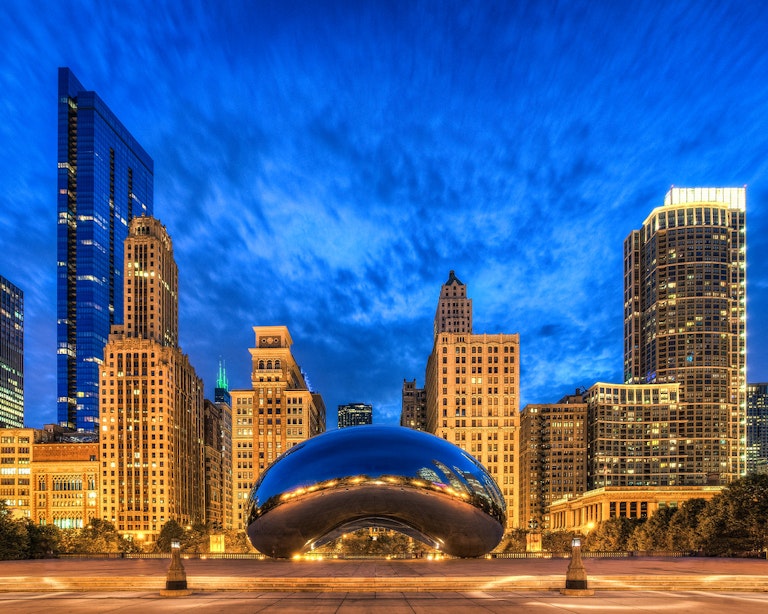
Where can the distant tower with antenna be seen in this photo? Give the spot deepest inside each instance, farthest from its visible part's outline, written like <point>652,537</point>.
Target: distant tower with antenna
<point>221,392</point>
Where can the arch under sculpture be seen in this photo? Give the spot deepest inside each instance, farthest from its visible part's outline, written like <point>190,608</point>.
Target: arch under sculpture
<point>387,476</point>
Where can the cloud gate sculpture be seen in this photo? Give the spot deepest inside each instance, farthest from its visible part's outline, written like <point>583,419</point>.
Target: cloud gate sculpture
<point>386,476</point>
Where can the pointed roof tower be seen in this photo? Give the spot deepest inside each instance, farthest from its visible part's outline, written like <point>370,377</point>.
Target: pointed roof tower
<point>454,309</point>
<point>221,392</point>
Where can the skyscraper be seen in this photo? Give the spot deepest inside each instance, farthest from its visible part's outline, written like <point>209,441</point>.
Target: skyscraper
<point>553,457</point>
<point>757,428</point>
<point>472,388</point>
<point>11,355</point>
<point>685,323</point>
<point>151,409</point>
<point>355,414</point>
<point>276,413</point>
<point>104,180</point>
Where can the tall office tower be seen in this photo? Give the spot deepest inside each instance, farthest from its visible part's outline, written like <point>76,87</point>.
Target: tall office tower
<point>355,414</point>
<point>217,419</point>
<point>276,413</point>
<point>414,406</point>
<point>757,428</point>
<point>685,322</point>
<point>11,355</point>
<point>218,436</point>
<point>454,309</point>
<point>472,387</point>
<point>553,457</point>
<point>151,403</point>
<point>104,180</point>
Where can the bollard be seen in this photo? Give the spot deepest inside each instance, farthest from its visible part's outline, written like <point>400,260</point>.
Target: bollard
<point>176,580</point>
<point>576,576</point>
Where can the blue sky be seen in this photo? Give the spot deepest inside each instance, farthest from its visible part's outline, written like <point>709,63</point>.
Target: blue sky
<point>323,165</point>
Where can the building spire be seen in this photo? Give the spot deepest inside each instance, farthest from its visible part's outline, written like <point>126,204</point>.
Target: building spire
<point>221,378</point>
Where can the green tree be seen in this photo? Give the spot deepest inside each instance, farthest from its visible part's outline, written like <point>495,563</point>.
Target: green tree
<point>237,541</point>
<point>733,522</point>
<point>43,540</point>
<point>14,539</point>
<point>171,531</point>
<point>514,541</point>
<point>683,526</point>
<point>654,532</point>
<point>557,541</point>
<point>196,538</point>
<point>99,536</point>
<point>611,535</point>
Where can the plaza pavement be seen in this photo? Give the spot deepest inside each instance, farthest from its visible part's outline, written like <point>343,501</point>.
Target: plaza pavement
<point>382,576</point>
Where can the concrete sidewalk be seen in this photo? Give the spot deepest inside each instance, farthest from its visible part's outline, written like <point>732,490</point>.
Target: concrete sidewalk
<point>382,577</point>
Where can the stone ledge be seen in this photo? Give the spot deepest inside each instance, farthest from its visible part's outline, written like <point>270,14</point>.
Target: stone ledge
<point>411,584</point>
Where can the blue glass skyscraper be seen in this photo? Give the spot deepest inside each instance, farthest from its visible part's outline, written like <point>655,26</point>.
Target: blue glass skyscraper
<point>105,178</point>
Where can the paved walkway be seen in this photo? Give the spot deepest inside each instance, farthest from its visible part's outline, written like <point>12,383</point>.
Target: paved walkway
<point>608,602</point>
<point>414,576</point>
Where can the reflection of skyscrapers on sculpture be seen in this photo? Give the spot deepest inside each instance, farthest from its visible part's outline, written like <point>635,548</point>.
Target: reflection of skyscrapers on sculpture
<point>355,414</point>
<point>104,180</point>
<point>347,479</point>
<point>472,390</point>
<point>11,355</point>
<point>685,323</point>
<point>151,410</point>
<point>276,413</point>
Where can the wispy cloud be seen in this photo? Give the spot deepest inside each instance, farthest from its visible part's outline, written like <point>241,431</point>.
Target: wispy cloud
<point>324,166</point>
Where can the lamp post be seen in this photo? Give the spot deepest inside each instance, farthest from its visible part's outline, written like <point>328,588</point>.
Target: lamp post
<point>576,576</point>
<point>176,579</point>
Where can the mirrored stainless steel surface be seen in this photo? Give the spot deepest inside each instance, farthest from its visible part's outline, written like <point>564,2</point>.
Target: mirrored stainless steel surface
<point>389,476</point>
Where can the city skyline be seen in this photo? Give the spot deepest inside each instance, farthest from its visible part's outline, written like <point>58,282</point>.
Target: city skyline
<point>324,166</point>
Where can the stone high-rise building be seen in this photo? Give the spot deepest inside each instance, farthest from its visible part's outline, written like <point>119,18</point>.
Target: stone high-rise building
<point>151,399</point>
<point>553,457</point>
<point>276,413</point>
<point>414,406</point>
<point>105,179</point>
<point>11,355</point>
<point>685,323</point>
<point>473,390</point>
<point>218,464</point>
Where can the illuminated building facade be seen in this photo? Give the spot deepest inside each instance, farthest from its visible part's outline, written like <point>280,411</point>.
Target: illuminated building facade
<point>473,391</point>
<point>11,355</point>
<point>414,406</point>
<point>218,464</point>
<point>553,457</point>
<point>635,435</point>
<point>685,323</point>
<point>65,478</point>
<point>276,413</point>
<point>105,179</point>
<point>757,428</point>
<point>151,410</point>
<point>16,488</point>
<point>355,414</point>
<point>582,514</point>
